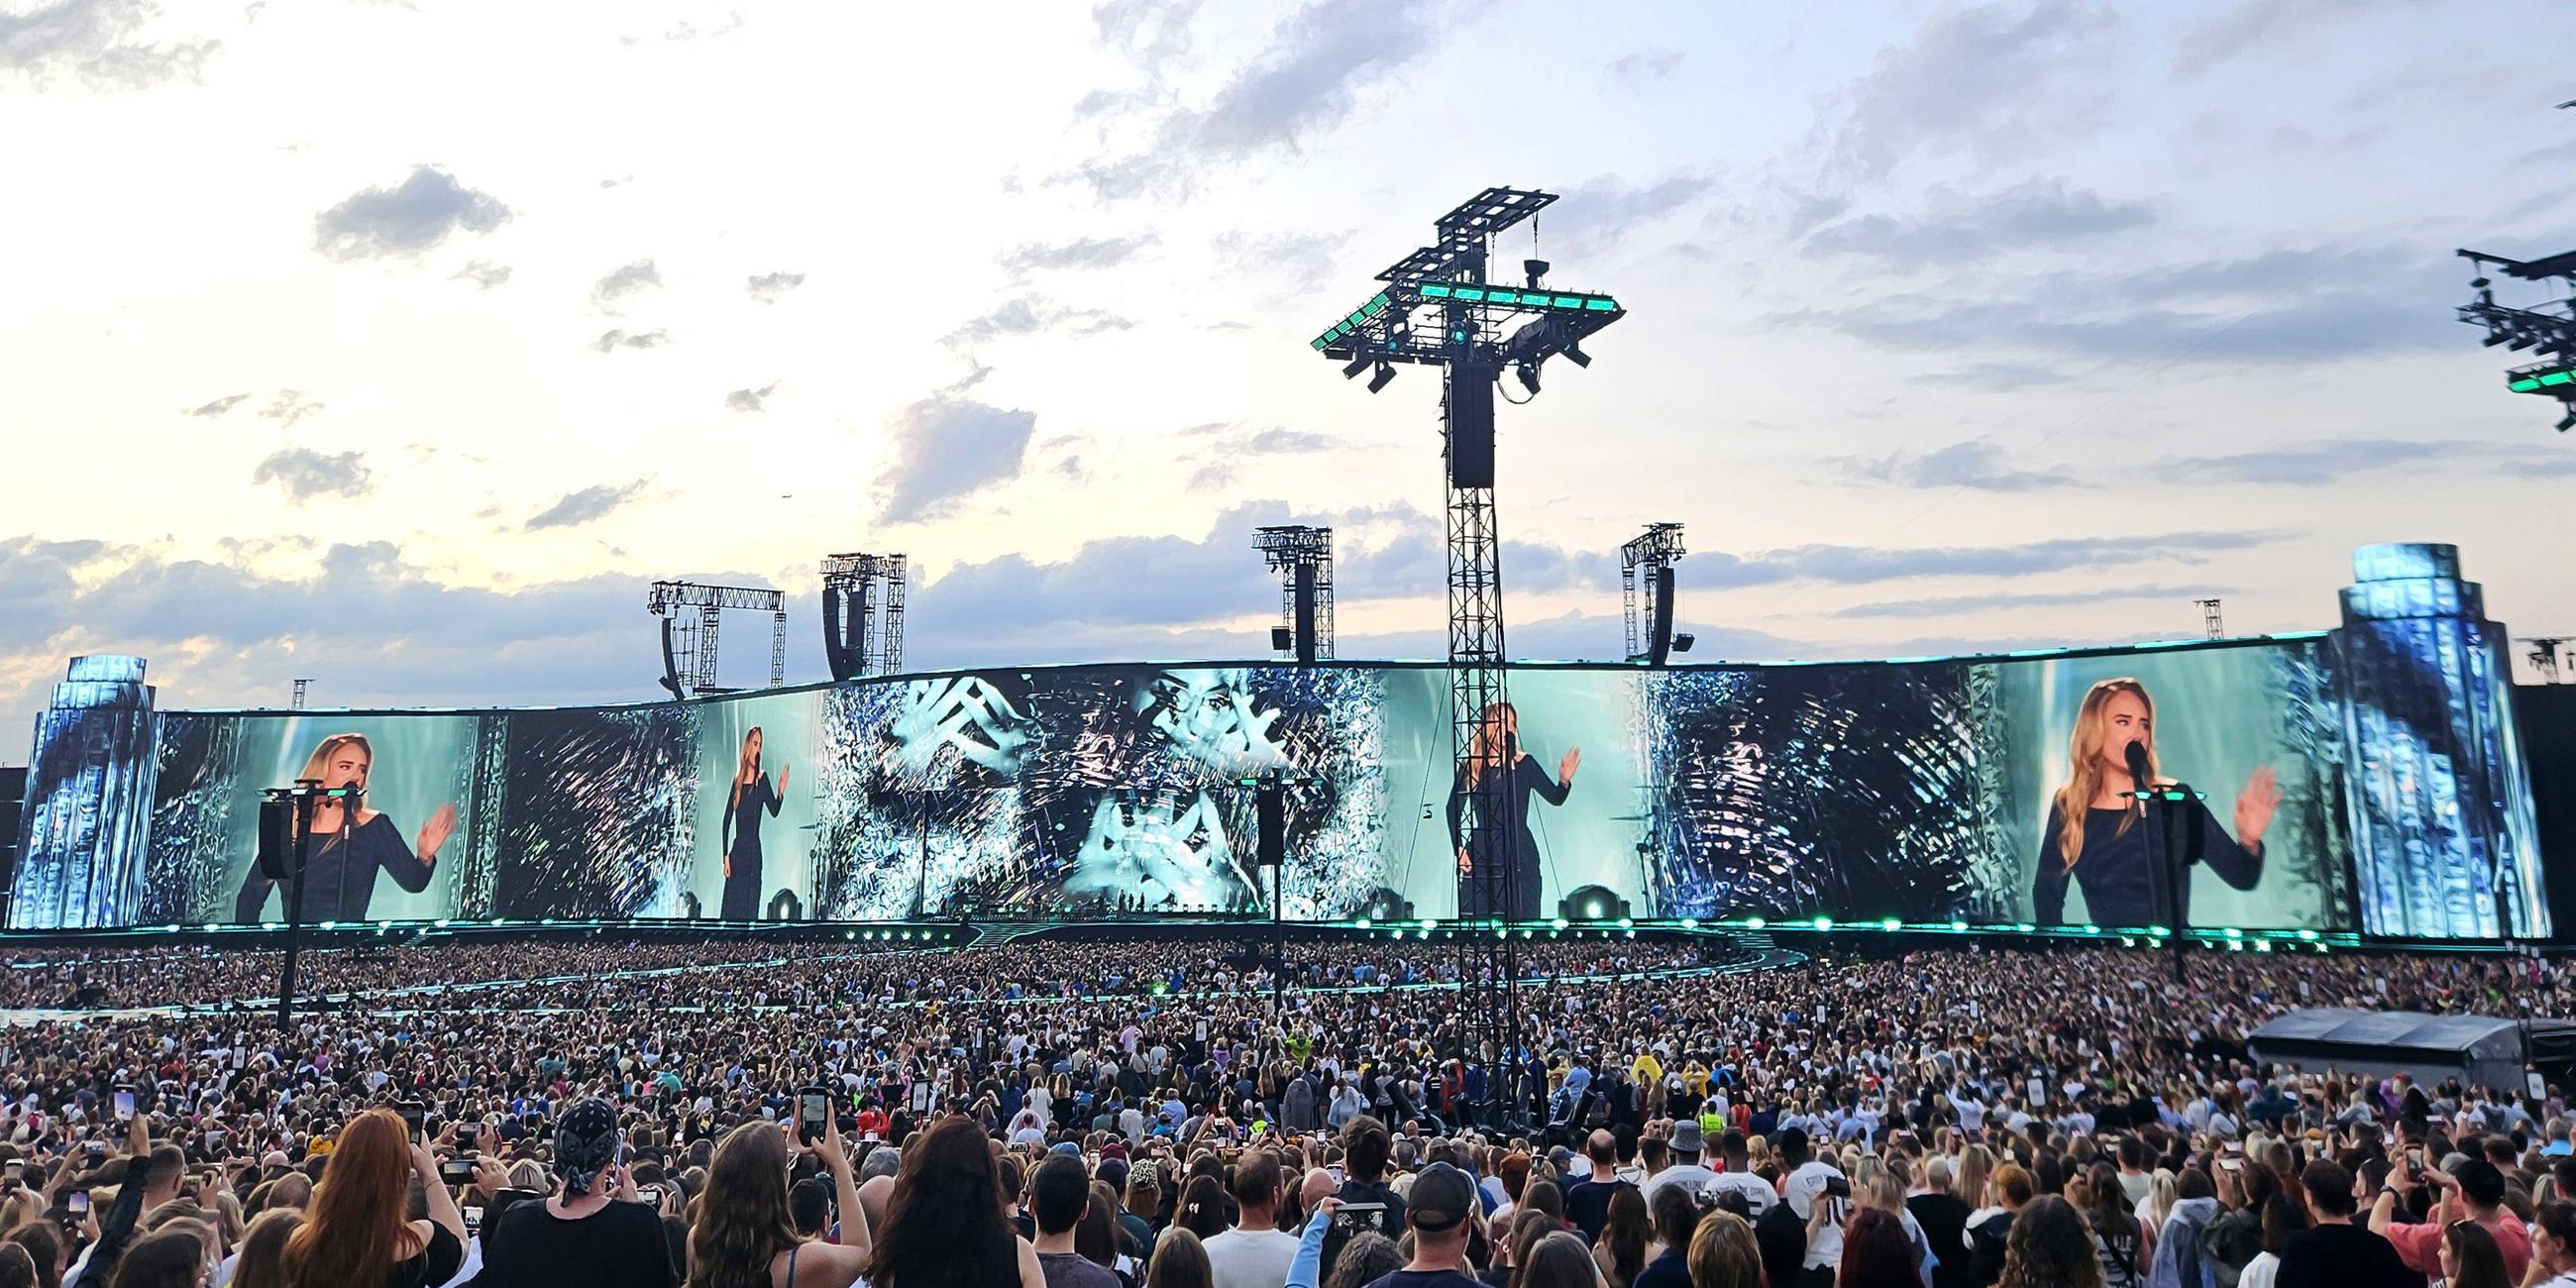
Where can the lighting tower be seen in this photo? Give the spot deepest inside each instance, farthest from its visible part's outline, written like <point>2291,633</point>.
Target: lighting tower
<point>2209,619</point>
<point>1646,564</point>
<point>300,686</point>
<point>1303,558</point>
<point>689,639</point>
<point>2548,329</point>
<point>863,614</point>
<point>2544,656</point>
<point>1439,309</point>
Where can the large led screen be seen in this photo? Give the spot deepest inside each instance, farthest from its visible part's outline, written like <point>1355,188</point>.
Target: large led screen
<point>1977,790</point>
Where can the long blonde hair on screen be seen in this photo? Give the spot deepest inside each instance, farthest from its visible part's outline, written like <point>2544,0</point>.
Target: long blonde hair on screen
<point>2084,764</point>
<point>1491,743</point>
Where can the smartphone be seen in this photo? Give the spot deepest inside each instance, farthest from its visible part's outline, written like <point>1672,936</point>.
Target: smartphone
<point>650,1196</point>
<point>466,1134</point>
<point>2231,1164</point>
<point>13,1172</point>
<point>124,1103</point>
<point>95,1149</point>
<point>1360,1216</point>
<point>78,1203</point>
<point>473,1219</point>
<point>412,1112</point>
<point>456,1171</point>
<point>813,1113</point>
<point>2414,1160</point>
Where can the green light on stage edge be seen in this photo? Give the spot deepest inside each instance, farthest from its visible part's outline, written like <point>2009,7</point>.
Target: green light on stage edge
<point>1471,293</point>
<point>2308,935</point>
<point>1958,925</point>
<point>2558,377</point>
<point>2091,929</point>
<point>1502,297</point>
<point>2233,933</point>
<point>2524,386</point>
<point>1435,290</point>
<point>1823,923</point>
<point>1754,923</point>
<point>1569,301</point>
<point>1602,306</point>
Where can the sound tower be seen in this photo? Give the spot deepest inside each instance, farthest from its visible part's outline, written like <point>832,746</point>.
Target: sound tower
<point>1659,644</point>
<point>1471,423</point>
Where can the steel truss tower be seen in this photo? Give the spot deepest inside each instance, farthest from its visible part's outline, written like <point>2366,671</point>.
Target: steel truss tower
<point>1303,558</point>
<point>1646,571</point>
<point>1439,308</point>
<point>2547,328</point>
<point>689,638</point>
<point>863,614</point>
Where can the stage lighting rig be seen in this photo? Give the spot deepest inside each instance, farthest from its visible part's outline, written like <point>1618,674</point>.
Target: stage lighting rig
<point>1646,572</point>
<point>863,614</point>
<point>689,639</point>
<point>1437,308</point>
<point>1303,557</point>
<point>2548,328</point>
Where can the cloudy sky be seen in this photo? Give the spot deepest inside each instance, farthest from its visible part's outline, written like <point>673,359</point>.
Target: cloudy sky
<point>399,345</point>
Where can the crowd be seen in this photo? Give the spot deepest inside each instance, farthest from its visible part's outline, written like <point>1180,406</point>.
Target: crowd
<point>1164,1113</point>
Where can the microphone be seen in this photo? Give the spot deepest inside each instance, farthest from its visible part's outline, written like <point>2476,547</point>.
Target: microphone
<point>2141,775</point>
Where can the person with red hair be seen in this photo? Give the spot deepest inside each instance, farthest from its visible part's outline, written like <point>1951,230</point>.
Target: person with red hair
<point>355,1234</point>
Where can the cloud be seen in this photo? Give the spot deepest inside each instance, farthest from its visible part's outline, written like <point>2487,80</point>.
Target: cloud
<point>1645,65</point>
<point>304,474</point>
<point>2327,460</point>
<point>946,446</point>
<point>94,42</point>
<point>588,505</point>
<point>1028,314</point>
<point>405,221</point>
<point>1158,30</point>
<point>768,288</point>
<point>1853,565</point>
<point>608,292</point>
<point>1291,262</point>
<point>219,406</point>
<point>1596,215</point>
<point>1213,476</point>
<point>750,399</point>
<point>1308,79</point>
<point>483,273</point>
<point>2260,22</point>
<point>1081,252</point>
<point>1279,440</point>
<point>1951,605</point>
<point>1960,228</point>
<point>291,407</point>
<point>612,340</point>
<point>1977,78</point>
<point>1975,464</point>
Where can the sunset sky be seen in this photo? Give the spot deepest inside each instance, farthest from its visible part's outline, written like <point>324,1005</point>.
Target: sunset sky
<point>399,345</point>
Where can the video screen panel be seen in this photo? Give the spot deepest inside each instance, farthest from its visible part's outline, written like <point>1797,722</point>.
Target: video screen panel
<point>1923,791</point>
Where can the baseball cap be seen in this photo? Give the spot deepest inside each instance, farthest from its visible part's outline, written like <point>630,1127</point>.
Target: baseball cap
<point>1441,1197</point>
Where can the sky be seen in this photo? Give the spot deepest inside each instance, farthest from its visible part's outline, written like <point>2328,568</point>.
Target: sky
<point>401,345</point>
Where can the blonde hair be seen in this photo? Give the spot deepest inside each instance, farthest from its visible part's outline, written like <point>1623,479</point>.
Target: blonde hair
<point>2084,764</point>
<point>747,765</point>
<point>1487,749</point>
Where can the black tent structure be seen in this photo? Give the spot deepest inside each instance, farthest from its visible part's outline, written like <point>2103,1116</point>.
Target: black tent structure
<point>2480,1050</point>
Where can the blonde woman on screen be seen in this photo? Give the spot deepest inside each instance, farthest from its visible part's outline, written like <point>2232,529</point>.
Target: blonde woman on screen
<point>349,847</point>
<point>749,794</point>
<point>2097,835</point>
<point>1494,773</point>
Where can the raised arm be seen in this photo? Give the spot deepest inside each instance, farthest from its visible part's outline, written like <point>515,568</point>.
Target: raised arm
<point>381,843</point>
<point>2238,858</point>
<point>2048,885</point>
<point>1551,790</point>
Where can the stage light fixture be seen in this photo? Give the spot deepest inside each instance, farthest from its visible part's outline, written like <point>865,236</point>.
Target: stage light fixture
<point>2568,421</point>
<point>1576,355</point>
<point>1385,374</point>
<point>1528,372</point>
<point>1682,642</point>
<point>1352,370</point>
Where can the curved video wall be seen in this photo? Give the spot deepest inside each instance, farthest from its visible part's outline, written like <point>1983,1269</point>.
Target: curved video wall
<point>1927,791</point>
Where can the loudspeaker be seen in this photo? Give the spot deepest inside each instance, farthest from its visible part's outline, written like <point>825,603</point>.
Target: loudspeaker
<point>276,838</point>
<point>1471,424</point>
<point>1659,639</point>
<point>836,632</point>
<point>1305,613</point>
<point>1270,808</point>
<point>1282,639</point>
<point>670,663</point>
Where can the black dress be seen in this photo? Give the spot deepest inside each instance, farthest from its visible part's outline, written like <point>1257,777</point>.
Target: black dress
<point>340,877</point>
<point>742,847</point>
<point>1505,842</point>
<point>2119,872</point>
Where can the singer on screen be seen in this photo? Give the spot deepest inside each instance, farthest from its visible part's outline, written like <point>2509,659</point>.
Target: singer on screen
<point>1495,773</point>
<point>741,830</point>
<point>2098,833</point>
<point>349,848</point>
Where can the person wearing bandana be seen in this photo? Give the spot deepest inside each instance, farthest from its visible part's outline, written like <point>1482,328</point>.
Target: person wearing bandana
<point>591,1232</point>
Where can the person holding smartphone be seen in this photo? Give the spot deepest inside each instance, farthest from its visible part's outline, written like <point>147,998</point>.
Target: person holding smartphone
<point>594,1231</point>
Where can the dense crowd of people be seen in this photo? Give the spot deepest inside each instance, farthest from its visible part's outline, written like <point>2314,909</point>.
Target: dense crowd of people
<point>1182,1111</point>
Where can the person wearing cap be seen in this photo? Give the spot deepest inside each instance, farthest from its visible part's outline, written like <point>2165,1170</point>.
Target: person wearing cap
<point>2472,1191</point>
<point>1443,1202</point>
<point>1685,1147</point>
<point>591,1231</point>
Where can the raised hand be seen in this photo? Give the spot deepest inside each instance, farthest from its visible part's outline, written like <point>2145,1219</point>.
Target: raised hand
<point>1465,864</point>
<point>434,833</point>
<point>2254,807</point>
<point>1565,768</point>
<point>782,778</point>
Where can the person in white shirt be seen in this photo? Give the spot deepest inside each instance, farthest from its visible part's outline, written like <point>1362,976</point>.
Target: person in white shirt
<point>1256,1253</point>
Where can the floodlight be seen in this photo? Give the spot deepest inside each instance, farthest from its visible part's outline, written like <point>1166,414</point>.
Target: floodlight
<point>1385,374</point>
<point>1528,372</point>
<point>1357,365</point>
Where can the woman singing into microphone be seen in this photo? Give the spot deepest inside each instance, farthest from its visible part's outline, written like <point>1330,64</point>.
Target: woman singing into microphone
<point>350,847</point>
<point>1495,773</point>
<point>2097,830</point>
<point>741,829</point>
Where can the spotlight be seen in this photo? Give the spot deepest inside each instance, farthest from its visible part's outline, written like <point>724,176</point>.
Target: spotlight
<point>1385,374</point>
<point>1356,366</point>
<point>1528,372</point>
<point>1536,268</point>
<point>1682,642</point>
<point>2519,343</point>
<point>2568,422</point>
<point>1577,356</point>
<point>2494,339</point>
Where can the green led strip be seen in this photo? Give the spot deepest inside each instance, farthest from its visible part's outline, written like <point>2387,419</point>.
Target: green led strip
<point>1369,312</point>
